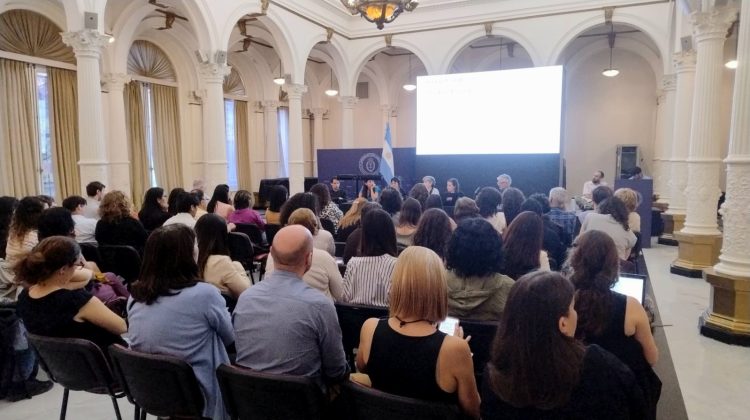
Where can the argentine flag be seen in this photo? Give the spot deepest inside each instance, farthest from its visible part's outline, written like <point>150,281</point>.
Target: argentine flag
<point>386,158</point>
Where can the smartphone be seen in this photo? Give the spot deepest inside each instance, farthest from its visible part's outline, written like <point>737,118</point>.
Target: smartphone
<point>448,325</point>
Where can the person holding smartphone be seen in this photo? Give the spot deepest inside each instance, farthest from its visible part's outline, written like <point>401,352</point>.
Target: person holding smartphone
<point>406,354</point>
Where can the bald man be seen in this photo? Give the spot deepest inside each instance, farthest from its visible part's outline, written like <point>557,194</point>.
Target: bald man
<point>285,326</point>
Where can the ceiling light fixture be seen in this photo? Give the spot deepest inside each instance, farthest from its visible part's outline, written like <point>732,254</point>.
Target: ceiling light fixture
<point>379,12</point>
<point>409,86</point>
<point>611,71</point>
<point>280,80</point>
<point>331,91</point>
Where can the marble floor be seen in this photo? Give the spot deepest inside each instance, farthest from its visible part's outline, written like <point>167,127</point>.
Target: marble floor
<point>714,378</point>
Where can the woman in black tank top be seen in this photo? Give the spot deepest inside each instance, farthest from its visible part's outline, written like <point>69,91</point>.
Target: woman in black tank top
<point>405,354</point>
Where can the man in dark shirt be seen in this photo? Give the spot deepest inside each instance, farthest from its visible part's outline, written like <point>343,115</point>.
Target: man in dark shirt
<point>338,195</point>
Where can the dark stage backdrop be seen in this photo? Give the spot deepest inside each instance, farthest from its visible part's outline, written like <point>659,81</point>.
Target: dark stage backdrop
<point>332,162</point>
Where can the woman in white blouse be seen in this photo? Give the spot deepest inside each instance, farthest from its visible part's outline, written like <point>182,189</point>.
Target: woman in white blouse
<point>214,264</point>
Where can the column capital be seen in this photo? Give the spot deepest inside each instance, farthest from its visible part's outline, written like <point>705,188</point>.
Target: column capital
<point>348,101</point>
<point>213,72</point>
<point>295,91</point>
<point>269,106</point>
<point>115,81</point>
<point>318,112</point>
<point>669,82</point>
<point>684,61</point>
<point>712,24</point>
<point>86,42</point>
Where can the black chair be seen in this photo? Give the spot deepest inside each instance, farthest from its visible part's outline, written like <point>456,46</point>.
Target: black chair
<point>256,395</point>
<point>260,249</point>
<point>328,225</point>
<point>90,251</point>
<point>635,253</point>
<point>77,365</point>
<point>162,386</point>
<point>370,404</point>
<point>482,334</point>
<point>271,231</point>
<point>340,248</point>
<point>241,250</point>
<point>351,317</point>
<point>122,260</point>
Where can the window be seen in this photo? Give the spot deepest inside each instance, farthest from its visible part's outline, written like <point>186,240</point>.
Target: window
<point>46,169</point>
<point>231,144</point>
<point>284,142</point>
<point>149,116</point>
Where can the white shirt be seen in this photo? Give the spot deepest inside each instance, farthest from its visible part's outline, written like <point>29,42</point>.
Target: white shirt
<point>589,186</point>
<point>85,228</point>
<point>323,275</point>
<point>92,208</point>
<point>183,218</point>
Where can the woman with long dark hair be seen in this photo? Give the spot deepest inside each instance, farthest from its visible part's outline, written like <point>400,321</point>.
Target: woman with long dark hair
<point>420,193</point>
<point>488,201</point>
<point>7,208</point>
<point>539,370</point>
<point>408,220</point>
<point>172,200</point>
<point>22,235</point>
<point>328,209</point>
<point>434,231</point>
<point>154,212</point>
<point>276,198</point>
<point>512,198</point>
<point>452,192</point>
<point>522,246</point>
<point>214,264</point>
<point>172,312</point>
<point>612,218</point>
<point>220,202</point>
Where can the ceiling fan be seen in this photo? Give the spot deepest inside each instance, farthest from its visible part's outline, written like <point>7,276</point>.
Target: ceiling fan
<point>154,3</point>
<point>246,44</point>
<point>169,19</point>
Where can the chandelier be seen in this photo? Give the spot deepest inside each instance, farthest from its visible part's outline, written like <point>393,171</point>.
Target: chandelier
<point>379,12</point>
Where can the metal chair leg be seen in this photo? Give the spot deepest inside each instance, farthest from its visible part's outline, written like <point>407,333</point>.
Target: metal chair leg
<point>117,408</point>
<point>64,407</point>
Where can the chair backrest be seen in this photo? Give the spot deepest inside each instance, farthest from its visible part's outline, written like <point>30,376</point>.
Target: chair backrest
<point>122,260</point>
<point>252,231</point>
<point>163,386</point>
<point>271,231</point>
<point>340,246</point>
<point>250,394</point>
<point>482,334</point>
<point>90,251</point>
<point>328,225</point>
<point>351,318</point>
<point>240,248</point>
<point>370,404</point>
<point>74,363</point>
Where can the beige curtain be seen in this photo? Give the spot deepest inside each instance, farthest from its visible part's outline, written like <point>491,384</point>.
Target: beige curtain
<point>167,154</point>
<point>19,136</point>
<point>64,116</point>
<point>136,130</point>
<point>242,137</point>
<point>29,33</point>
<point>148,60</point>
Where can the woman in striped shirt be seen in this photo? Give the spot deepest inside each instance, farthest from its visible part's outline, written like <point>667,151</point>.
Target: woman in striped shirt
<point>367,280</point>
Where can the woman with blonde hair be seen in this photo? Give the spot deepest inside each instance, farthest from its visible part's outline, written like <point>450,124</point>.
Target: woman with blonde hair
<point>406,354</point>
<point>117,225</point>
<point>350,221</point>
<point>630,198</point>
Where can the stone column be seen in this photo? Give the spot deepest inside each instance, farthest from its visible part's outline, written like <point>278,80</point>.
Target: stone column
<point>700,239</point>
<point>271,114</point>
<point>728,317</point>
<point>663,149</point>
<point>317,115</point>
<point>214,125</point>
<point>119,165</point>
<point>296,143</point>
<point>347,121</point>
<point>674,218</point>
<point>87,45</point>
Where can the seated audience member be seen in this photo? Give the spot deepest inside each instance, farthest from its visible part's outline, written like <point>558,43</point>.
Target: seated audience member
<point>466,208</point>
<point>488,201</point>
<point>538,370</point>
<point>350,221</point>
<point>408,220</point>
<point>420,193</point>
<point>406,354</point>
<point>58,221</point>
<point>600,194</point>
<point>220,202</point>
<point>324,273</point>
<point>433,202</point>
<point>558,200</point>
<point>244,212</point>
<point>503,183</point>
<point>434,231</point>
<point>452,192</point>
<point>22,235</point>
<point>552,235</point>
<point>214,264</point>
<point>154,212</point>
<point>522,246</point>
<point>612,219</point>
<point>630,198</point>
<point>396,185</point>
<point>324,239</point>
<point>512,199</point>
<point>477,289</point>
<point>596,181</point>
<point>353,247</point>
<point>609,319</point>
<point>172,200</point>
<point>338,195</point>
<point>276,199</point>
<point>202,200</point>
<point>429,183</point>
<point>328,209</point>
<point>543,201</point>
<point>173,312</point>
<point>54,303</point>
<point>311,343</point>
<point>369,191</point>
<point>85,227</point>
<point>391,201</point>
<point>185,207</point>
<point>94,194</point>
<point>8,206</point>
<point>116,225</point>
<point>48,201</point>
<point>367,279</point>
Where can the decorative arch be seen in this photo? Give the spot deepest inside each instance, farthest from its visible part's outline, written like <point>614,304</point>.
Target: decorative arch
<point>335,56</point>
<point>147,60</point>
<point>377,46</point>
<point>30,33</point>
<point>375,73</point>
<point>627,44</point>
<point>462,43</point>
<point>49,9</point>
<point>249,74</point>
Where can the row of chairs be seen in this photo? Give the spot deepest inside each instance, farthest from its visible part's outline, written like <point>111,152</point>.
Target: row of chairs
<point>164,386</point>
